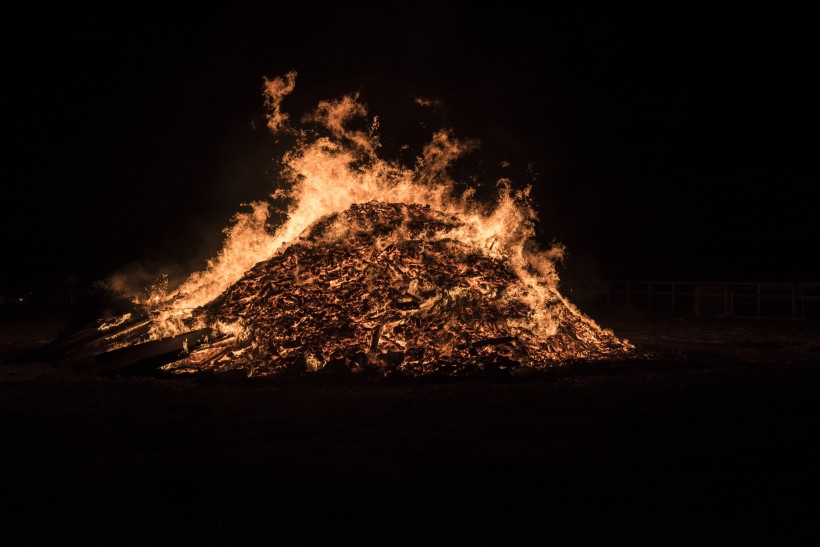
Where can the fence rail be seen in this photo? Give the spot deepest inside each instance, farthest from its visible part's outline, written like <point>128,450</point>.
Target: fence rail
<point>710,299</point>
<point>42,298</point>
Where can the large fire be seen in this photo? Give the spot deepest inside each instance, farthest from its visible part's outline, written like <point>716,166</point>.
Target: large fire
<point>377,266</point>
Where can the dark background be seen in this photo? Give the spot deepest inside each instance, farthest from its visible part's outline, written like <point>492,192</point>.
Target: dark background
<point>666,144</point>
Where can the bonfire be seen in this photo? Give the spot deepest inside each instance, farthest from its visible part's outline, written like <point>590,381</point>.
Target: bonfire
<point>378,267</point>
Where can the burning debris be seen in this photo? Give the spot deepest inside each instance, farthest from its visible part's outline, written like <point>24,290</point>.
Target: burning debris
<point>427,283</point>
<point>385,285</point>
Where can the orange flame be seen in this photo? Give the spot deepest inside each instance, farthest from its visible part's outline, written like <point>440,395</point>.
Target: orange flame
<point>328,174</point>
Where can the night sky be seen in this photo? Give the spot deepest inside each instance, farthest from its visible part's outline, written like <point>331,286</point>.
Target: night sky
<point>661,145</point>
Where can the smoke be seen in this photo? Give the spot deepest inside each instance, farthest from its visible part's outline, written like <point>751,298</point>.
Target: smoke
<point>132,279</point>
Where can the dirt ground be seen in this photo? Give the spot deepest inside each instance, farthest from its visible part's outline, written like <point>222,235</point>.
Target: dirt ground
<point>710,440</point>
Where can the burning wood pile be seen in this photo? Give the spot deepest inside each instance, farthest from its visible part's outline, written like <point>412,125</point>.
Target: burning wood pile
<point>432,282</point>
<point>385,286</point>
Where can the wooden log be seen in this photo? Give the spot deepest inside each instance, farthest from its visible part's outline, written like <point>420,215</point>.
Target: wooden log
<point>493,341</point>
<point>147,357</point>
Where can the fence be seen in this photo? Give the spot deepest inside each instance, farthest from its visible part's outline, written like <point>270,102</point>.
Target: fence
<point>58,298</point>
<point>711,299</point>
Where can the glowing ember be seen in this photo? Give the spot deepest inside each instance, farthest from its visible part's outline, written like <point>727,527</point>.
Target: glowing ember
<point>377,266</point>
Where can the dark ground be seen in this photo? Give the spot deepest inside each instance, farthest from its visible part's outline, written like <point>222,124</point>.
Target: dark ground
<point>710,442</point>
